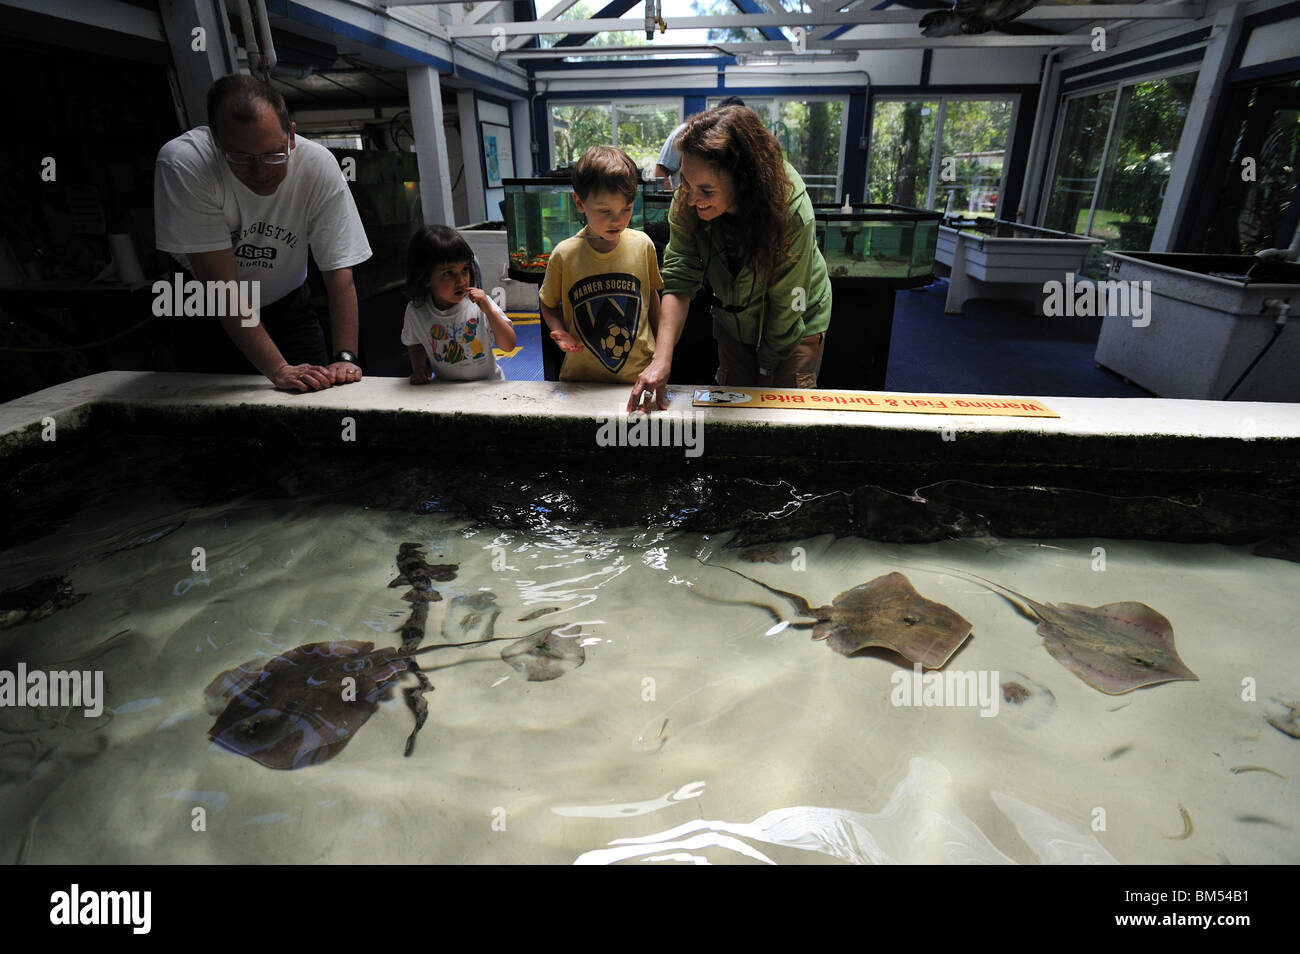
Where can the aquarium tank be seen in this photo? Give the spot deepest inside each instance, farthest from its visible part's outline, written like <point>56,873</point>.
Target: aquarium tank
<point>877,241</point>
<point>540,214</point>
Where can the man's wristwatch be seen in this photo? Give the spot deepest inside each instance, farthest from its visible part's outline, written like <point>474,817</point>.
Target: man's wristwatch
<point>344,356</point>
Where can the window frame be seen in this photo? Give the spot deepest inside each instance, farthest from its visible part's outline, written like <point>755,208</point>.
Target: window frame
<point>1118,87</point>
<point>942,109</point>
<point>776,99</point>
<point>613,105</point>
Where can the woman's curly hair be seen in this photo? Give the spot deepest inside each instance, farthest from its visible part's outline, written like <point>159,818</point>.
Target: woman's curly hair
<point>733,138</point>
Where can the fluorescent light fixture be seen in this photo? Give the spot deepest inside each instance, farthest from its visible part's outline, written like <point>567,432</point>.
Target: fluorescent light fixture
<point>795,59</point>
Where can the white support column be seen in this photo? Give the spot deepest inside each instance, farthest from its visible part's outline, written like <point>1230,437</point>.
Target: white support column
<point>191,23</point>
<point>424,92</point>
<point>1197,138</point>
<point>521,137</point>
<point>471,146</point>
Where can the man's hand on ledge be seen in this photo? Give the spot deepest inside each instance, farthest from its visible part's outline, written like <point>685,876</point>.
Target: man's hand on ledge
<point>304,377</point>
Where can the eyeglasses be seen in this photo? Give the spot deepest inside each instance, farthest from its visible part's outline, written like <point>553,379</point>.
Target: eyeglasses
<point>244,160</point>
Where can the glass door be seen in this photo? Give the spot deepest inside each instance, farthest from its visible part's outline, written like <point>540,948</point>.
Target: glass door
<point>1255,206</point>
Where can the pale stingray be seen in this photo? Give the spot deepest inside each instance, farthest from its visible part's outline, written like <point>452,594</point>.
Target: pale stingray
<point>543,656</point>
<point>1115,648</point>
<point>886,612</point>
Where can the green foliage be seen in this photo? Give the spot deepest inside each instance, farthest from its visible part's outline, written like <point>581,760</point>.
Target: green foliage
<point>580,11</point>
<point>723,8</point>
<point>902,149</point>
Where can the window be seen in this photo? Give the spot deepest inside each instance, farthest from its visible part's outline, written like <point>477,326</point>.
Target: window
<point>811,134</point>
<point>1114,155</point>
<point>941,153</point>
<point>1255,211</point>
<point>639,129</point>
<point>336,140</point>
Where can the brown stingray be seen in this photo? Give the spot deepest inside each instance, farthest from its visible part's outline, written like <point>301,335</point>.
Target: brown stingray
<point>296,710</point>
<point>887,612</point>
<point>1115,648</point>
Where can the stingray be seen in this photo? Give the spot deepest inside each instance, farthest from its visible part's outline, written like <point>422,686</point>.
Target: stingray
<point>887,612</point>
<point>544,655</point>
<point>296,710</point>
<point>471,617</point>
<point>1114,648</point>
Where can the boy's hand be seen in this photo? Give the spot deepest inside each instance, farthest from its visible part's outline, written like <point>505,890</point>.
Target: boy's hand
<point>566,341</point>
<point>420,377</point>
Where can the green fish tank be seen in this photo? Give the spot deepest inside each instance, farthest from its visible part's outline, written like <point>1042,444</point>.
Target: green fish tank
<point>540,214</point>
<point>893,243</point>
<point>657,205</point>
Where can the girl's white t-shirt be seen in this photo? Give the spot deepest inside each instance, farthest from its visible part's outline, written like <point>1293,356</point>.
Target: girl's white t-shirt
<point>458,341</point>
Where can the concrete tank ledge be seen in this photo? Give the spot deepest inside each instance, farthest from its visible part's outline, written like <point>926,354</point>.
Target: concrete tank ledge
<point>545,417</point>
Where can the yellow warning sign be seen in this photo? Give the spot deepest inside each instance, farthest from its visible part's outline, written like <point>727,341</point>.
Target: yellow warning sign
<point>807,398</point>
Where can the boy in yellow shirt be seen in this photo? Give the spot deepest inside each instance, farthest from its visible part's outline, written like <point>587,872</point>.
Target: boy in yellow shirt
<point>600,298</point>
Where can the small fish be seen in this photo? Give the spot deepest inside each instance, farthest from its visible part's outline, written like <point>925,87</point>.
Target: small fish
<point>37,600</point>
<point>540,612</point>
<point>1187,826</point>
<point>149,536</point>
<point>1260,820</point>
<point>1014,693</point>
<point>1122,750</point>
<point>1238,769</point>
<point>771,553</point>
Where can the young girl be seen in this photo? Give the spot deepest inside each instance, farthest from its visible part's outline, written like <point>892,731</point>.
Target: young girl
<point>450,324</point>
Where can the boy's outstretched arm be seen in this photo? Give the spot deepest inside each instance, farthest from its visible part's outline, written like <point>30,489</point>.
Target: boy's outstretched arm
<point>555,323</point>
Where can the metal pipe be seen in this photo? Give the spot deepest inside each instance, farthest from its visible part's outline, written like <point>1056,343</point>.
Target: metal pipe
<point>268,45</point>
<point>250,37</point>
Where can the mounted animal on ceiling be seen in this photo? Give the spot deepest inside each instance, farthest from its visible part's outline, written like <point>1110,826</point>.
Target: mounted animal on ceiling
<point>971,17</point>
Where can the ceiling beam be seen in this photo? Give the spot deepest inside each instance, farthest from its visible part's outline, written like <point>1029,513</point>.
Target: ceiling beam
<point>724,48</point>
<point>554,13</point>
<point>1178,10</point>
<point>482,11</point>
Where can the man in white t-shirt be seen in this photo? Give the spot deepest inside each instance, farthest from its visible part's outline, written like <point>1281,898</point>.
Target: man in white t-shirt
<point>244,199</point>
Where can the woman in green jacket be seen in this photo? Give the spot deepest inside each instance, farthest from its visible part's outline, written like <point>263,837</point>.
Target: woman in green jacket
<point>742,219</point>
